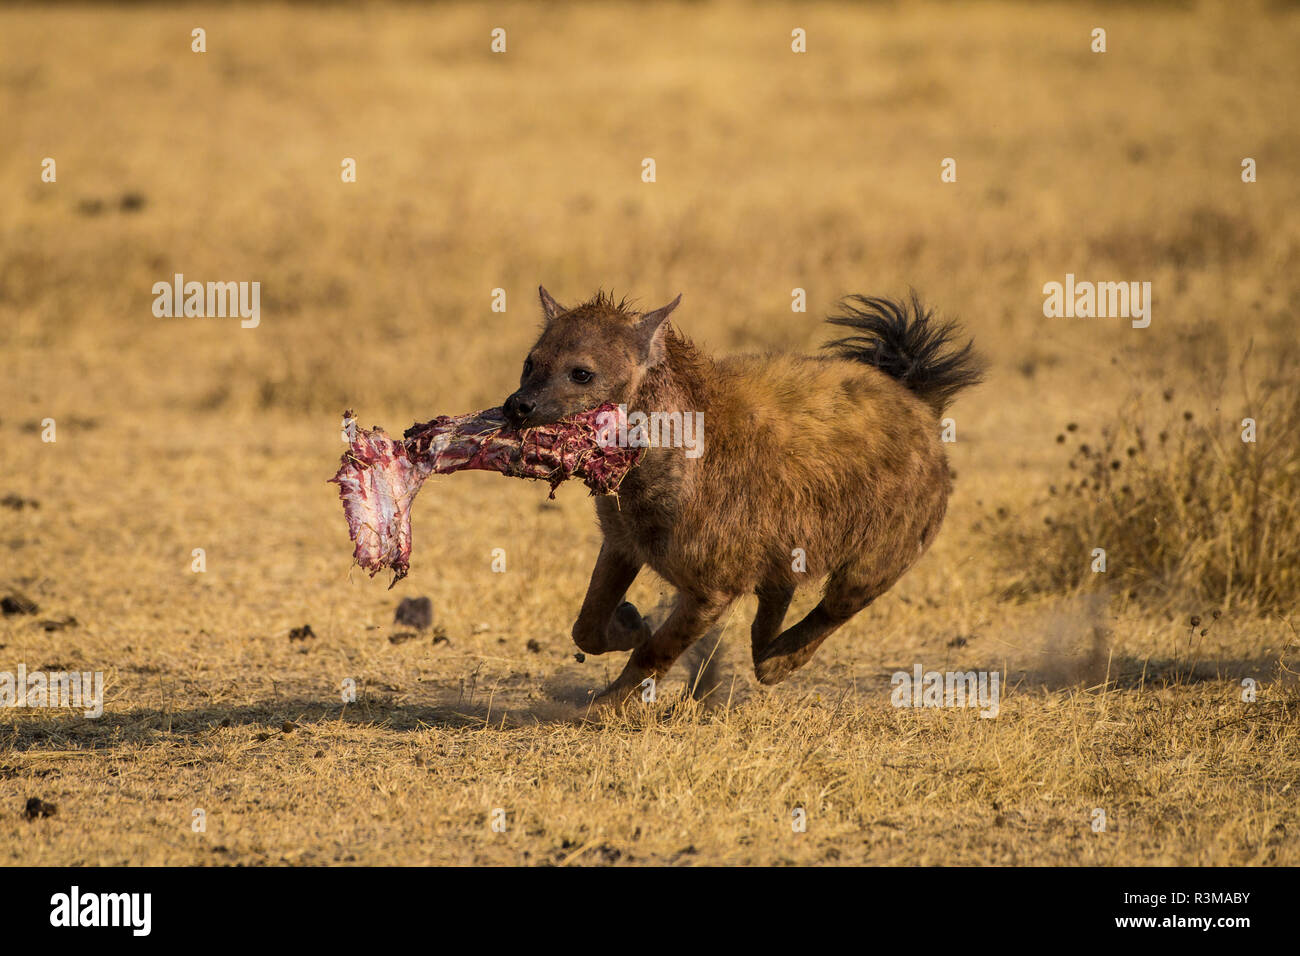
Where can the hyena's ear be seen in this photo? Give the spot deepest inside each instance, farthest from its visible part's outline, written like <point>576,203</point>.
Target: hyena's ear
<point>650,331</point>
<point>550,308</point>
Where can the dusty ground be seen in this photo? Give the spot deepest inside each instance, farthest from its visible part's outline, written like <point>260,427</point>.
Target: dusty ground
<point>477,171</point>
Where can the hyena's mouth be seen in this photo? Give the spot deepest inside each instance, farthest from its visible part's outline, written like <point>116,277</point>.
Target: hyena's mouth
<point>379,477</point>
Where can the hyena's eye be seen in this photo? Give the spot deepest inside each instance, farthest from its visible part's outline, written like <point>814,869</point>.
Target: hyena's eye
<point>528,367</point>
<point>581,375</point>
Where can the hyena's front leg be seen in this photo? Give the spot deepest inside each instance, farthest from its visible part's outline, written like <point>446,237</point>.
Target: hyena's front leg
<point>689,621</point>
<point>773,603</point>
<point>607,622</point>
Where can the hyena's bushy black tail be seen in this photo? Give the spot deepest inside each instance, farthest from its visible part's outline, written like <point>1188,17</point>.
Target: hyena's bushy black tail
<point>904,340</point>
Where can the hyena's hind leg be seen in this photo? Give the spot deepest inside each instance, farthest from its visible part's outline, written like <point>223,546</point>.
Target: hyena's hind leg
<point>848,591</point>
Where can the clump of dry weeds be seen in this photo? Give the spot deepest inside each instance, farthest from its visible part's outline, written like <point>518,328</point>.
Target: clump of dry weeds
<point>1181,503</point>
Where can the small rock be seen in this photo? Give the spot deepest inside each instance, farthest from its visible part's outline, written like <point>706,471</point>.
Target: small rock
<point>18,604</point>
<point>60,625</point>
<point>36,807</point>
<point>415,612</point>
<point>533,646</point>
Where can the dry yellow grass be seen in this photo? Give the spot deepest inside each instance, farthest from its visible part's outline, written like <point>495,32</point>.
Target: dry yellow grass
<point>478,171</point>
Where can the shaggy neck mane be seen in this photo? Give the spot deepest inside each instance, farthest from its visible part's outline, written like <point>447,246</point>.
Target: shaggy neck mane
<point>678,383</point>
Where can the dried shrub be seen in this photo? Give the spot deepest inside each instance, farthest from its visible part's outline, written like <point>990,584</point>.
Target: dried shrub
<point>1181,504</point>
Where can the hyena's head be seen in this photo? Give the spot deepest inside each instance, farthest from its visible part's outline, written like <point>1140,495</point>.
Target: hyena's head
<point>598,352</point>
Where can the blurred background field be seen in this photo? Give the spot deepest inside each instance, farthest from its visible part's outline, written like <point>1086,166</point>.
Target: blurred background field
<point>478,171</point>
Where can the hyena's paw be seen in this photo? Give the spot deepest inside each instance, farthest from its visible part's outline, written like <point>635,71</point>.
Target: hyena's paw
<point>618,696</point>
<point>776,668</point>
<point>624,630</point>
<point>627,629</point>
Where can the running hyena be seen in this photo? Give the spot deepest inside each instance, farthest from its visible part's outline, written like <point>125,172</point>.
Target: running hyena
<point>813,467</point>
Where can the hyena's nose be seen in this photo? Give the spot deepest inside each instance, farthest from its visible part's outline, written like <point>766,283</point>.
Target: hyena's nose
<point>518,409</point>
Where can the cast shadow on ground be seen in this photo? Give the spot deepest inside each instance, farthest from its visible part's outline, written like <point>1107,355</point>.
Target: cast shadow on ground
<point>67,729</point>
